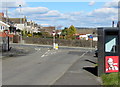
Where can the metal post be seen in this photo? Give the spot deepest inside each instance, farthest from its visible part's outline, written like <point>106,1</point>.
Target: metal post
<point>112,23</point>
<point>7,22</point>
<point>20,14</point>
<point>8,44</point>
<point>54,39</point>
<point>53,42</point>
<point>20,23</point>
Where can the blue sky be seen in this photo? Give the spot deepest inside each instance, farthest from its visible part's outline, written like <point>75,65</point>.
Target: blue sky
<point>67,6</point>
<point>79,14</point>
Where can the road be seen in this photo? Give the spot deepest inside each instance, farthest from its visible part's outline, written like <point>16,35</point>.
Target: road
<point>42,67</point>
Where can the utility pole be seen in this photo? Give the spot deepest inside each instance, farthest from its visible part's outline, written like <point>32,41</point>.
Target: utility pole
<point>7,22</point>
<point>20,22</point>
<point>20,14</point>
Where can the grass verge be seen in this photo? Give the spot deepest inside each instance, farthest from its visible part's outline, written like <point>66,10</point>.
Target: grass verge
<point>111,79</point>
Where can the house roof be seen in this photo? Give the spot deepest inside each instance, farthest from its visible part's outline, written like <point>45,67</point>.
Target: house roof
<point>17,20</point>
<point>4,24</point>
<point>2,14</point>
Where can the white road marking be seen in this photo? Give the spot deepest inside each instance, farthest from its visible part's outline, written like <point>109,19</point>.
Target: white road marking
<point>42,55</point>
<point>49,52</point>
<point>37,49</point>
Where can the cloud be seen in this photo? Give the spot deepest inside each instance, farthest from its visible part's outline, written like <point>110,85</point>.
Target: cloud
<point>32,10</point>
<point>112,4</point>
<point>75,13</point>
<point>43,15</point>
<point>103,12</point>
<point>92,3</point>
<point>52,13</point>
<point>12,3</point>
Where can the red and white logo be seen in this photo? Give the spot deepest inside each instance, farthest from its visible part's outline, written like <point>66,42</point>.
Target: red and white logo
<point>111,64</point>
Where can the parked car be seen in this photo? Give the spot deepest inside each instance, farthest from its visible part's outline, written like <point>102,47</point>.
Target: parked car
<point>96,53</point>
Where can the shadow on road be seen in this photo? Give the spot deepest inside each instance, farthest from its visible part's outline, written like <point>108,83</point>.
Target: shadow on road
<point>90,61</point>
<point>92,70</point>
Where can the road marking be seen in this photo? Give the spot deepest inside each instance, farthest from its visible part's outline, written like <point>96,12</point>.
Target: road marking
<point>42,55</point>
<point>49,52</point>
<point>38,49</point>
<point>45,54</point>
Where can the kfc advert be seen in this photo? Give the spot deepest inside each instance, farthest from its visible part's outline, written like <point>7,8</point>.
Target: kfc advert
<point>111,64</point>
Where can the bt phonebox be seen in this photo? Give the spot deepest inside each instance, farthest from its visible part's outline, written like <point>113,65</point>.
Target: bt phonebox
<point>108,50</point>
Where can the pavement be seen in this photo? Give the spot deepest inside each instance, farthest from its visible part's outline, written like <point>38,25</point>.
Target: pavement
<point>82,72</point>
<point>40,65</point>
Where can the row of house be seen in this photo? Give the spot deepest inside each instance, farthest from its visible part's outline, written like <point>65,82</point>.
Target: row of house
<point>22,24</point>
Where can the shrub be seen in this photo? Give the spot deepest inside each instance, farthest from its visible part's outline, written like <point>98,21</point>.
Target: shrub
<point>29,35</point>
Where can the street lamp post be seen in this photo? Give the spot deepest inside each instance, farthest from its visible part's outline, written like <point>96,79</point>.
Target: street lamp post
<point>20,14</point>
<point>7,22</point>
<point>20,22</point>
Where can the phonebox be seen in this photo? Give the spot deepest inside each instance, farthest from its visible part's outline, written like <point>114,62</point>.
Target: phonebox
<point>108,50</point>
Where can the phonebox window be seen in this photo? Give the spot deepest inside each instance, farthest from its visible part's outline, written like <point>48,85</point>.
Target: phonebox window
<point>111,42</point>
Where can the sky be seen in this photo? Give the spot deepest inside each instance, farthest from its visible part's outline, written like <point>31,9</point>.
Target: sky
<point>63,14</point>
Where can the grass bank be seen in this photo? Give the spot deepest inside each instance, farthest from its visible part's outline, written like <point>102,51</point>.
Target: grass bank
<point>111,79</point>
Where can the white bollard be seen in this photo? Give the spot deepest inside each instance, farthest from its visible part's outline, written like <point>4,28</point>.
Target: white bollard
<point>53,45</point>
<point>56,46</point>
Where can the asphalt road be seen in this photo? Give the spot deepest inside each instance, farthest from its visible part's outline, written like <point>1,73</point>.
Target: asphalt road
<point>43,67</point>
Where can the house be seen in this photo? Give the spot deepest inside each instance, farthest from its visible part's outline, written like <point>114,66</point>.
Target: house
<point>12,28</point>
<point>32,27</point>
<point>49,29</point>
<point>4,33</point>
<point>5,30</point>
<point>19,23</point>
<point>3,26</point>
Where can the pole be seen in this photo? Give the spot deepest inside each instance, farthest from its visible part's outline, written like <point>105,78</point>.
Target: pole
<point>91,44</point>
<point>20,22</point>
<point>112,23</point>
<point>20,14</point>
<point>54,42</point>
<point>7,23</point>
<point>53,39</point>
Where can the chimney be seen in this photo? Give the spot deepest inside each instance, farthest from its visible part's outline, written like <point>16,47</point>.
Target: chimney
<point>2,14</point>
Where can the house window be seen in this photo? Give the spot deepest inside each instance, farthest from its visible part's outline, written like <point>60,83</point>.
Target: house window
<point>3,27</point>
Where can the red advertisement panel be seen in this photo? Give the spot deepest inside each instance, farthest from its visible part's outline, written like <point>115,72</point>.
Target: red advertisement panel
<point>111,64</point>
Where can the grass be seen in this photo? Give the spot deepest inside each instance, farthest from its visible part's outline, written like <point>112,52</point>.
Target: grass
<point>111,79</point>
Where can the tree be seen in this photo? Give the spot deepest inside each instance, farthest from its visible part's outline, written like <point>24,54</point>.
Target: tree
<point>72,30</point>
<point>68,32</point>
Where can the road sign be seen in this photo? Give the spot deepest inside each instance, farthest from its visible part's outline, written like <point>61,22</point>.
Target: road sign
<point>90,37</point>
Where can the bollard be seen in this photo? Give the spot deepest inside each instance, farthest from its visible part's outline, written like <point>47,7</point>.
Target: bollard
<point>56,46</point>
